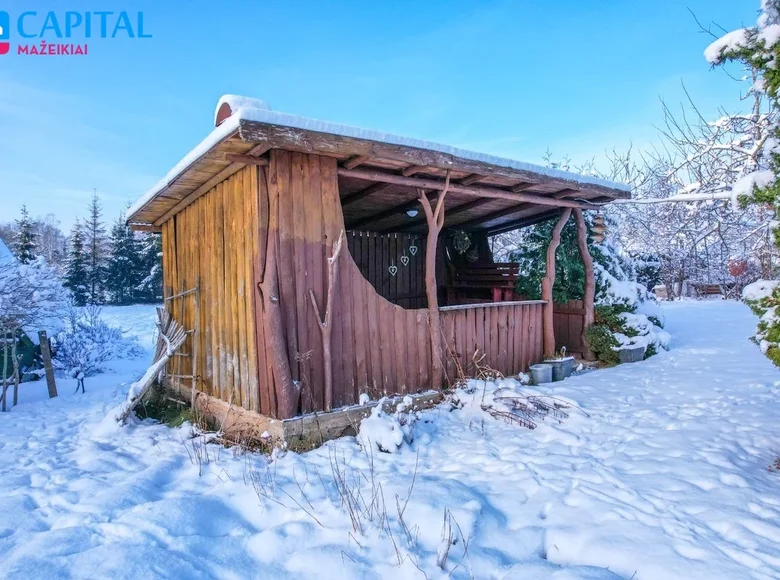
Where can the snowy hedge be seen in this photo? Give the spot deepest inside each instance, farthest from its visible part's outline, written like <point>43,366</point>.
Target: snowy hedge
<point>763,297</point>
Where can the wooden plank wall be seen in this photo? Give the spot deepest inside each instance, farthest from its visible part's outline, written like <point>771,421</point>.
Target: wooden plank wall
<point>568,321</point>
<point>374,255</point>
<point>218,243</point>
<point>509,334</point>
<point>213,244</point>
<point>378,347</point>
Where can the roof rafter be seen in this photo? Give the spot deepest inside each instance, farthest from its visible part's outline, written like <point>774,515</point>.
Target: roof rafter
<point>436,184</point>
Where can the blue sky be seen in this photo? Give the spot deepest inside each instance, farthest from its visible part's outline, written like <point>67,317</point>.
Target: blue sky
<point>512,78</point>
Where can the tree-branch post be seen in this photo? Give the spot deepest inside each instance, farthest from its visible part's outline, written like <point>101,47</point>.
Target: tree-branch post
<point>435,220</point>
<point>324,322</point>
<point>590,281</point>
<point>549,281</point>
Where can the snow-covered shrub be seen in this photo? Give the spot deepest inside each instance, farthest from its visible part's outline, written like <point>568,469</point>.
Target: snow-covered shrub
<point>627,314</point>
<point>387,431</point>
<point>763,297</point>
<point>89,342</point>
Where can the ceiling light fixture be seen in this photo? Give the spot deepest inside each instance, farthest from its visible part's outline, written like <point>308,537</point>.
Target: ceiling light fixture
<point>412,212</point>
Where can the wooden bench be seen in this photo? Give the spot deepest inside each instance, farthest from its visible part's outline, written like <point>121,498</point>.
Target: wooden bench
<point>497,279</point>
<point>708,289</point>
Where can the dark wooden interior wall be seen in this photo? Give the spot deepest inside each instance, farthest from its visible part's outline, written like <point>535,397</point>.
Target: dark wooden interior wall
<point>394,264</point>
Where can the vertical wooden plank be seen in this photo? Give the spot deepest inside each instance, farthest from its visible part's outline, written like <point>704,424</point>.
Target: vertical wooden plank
<point>306,330</point>
<point>501,361</point>
<point>424,344</point>
<point>265,379</point>
<point>281,166</point>
<point>242,260</point>
<point>519,338</point>
<point>230,292</point>
<point>350,382</point>
<point>450,348</point>
<point>249,196</point>
<point>471,334</point>
<point>399,351</point>
<point>510,340</point>
<point>225,376</point>
<point>479,322</point>
<point>410,343</point>
<point>316,190</point>
<point>492,316</point>
<point>388,348</point>
<point>359,322</point>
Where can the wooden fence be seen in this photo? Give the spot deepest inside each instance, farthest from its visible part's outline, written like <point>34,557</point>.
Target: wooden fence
<point>508,333</point>
<point>568,321</point>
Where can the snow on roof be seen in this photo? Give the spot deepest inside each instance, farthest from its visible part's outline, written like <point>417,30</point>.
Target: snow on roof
<point>236,102</point>
<point>267,116</point>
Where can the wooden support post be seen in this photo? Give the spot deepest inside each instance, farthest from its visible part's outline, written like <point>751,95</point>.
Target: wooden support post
<point>43,340</point>
<point>590,281</point>
<point>435,219</point>
<point>549,281</point>
<point>286,393</point>
<point>325,322</point>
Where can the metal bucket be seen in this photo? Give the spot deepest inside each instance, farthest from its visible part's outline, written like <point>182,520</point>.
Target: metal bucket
<point>541,373</point>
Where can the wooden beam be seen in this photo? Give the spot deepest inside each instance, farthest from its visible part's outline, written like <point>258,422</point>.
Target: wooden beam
<point>206,187</point>
<point>511,210</point>
<point>491,192</point>
<point>245,159</point>
<point>145,228</point>
<point>398,209</point>
<point>353,162</point>
<point>308,141</point>
<point>523,222</point>
<point>450,212</point>
<point>414,169</point>
<point>363,193</point>
<point>471,179</point>
<point>522,187</point>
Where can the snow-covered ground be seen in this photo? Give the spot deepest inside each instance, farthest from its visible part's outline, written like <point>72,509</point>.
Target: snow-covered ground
<point>665,478</point>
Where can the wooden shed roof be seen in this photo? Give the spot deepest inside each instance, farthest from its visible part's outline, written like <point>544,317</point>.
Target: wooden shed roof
<point>379,176</point>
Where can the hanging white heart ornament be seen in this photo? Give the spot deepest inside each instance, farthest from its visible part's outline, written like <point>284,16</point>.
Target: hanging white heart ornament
<point>393,270</point>
<point>405,260</point>
<point>413,250</point>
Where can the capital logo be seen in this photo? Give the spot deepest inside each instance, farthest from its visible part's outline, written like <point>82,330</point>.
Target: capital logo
<point>5,32</point>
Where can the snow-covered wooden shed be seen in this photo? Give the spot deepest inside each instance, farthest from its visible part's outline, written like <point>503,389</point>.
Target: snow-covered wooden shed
<point>252,216</point>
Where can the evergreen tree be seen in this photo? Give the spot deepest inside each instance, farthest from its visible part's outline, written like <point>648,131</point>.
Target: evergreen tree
<point>76,274</point>
<point>95,239</point>
<point>24,242</point>
<point>125,268</point>
<point>150,289</point>
<point>569,270</point>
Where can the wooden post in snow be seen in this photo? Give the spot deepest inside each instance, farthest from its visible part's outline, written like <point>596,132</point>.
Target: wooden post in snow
<point>549,281</point>
<point>43,340</point>
<point>435,219</point>
<point>590,281</point>
<point>325,322</point>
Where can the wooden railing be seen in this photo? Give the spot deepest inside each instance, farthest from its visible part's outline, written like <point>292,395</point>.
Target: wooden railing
<point>509,334</point>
